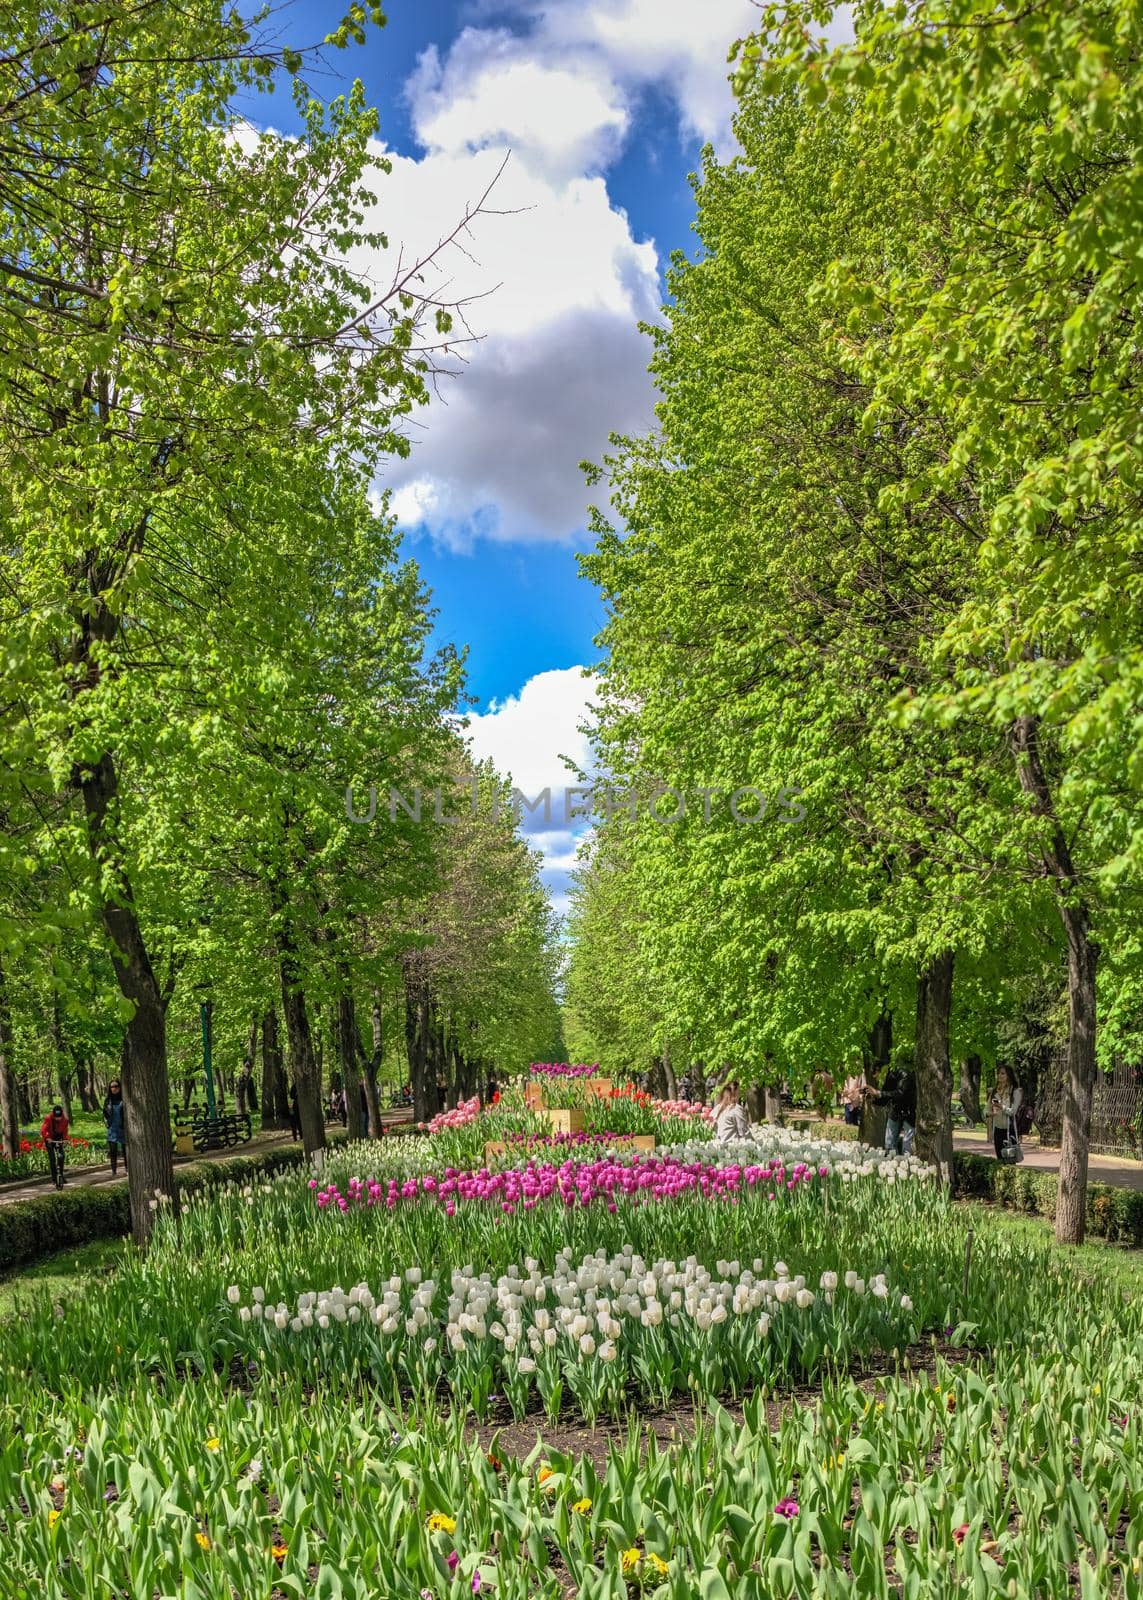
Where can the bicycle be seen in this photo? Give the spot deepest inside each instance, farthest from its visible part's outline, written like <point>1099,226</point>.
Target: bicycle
<point>57,1152</point>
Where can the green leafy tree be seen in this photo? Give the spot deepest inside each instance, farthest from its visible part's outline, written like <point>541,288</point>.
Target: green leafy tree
<point>1008,314</point>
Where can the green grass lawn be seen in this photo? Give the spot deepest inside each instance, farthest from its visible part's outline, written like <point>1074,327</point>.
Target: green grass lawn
<point>1096,1259</point>
<point>60,1276</point>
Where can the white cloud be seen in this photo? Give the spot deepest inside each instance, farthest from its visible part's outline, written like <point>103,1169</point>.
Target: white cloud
<point>555,288</point>
<point>679,44</point>
<point>527,735</point>
<point>565,117</point>
<point>556,284</point>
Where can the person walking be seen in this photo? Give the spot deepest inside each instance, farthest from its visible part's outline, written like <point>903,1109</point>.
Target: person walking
<point>899,1095</point>
<point>114,1117</point>
<point>730,1124</point>
<point>53,1131</point>
<point>1007,1098</point>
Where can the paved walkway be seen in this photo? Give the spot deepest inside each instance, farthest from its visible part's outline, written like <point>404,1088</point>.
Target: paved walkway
<point>1118,1171</point>
<point>94,1177</point>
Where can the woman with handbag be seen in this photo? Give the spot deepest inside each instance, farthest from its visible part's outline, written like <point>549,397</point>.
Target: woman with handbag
<point>1007,1098</point>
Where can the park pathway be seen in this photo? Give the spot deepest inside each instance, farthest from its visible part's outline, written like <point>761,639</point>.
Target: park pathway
<point>98,1177</point>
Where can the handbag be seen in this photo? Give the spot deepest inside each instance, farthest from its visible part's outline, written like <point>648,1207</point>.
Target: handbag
<point>1011,1150</point>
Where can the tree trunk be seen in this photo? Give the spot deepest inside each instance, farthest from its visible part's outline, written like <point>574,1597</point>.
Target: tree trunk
<point>371,1065</point>
<point>418,1047</point>
<point>669,1081</point>
<point>246,1089</point>
<point>346,1023</point>
<point>772,1100</point>
<point>970,1090</point>
<point>275,1092</point>
<point>85,1084</point>
<point>146,1090</point>
<point>879,1048</point>
<point>60,1072</point>
<point>438,1068</point>
<point>304,1067</point>
<point>9,1109</point>
<point>1079,1081</point>
<point>934,1078</point>
<point>699,1071</point>
<point>1083,958</point>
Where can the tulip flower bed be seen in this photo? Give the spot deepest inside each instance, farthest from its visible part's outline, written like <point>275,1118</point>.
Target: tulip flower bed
<point>1023,1479</point>
<point>639,1179</point>
<point>592,1331</point>
<point>462,1132</point>
<point>288,1398</point>
<point>31,1159</point>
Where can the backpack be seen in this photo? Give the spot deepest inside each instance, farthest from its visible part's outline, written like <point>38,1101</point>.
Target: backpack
<point>1025,1116</point>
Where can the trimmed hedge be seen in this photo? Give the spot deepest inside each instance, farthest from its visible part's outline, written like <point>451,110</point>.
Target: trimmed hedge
<point>833,1128</point>
<point>1112,1213</point>
<point>61,1219</point>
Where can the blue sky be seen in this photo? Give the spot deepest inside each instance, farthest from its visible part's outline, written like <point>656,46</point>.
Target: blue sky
<point>601,107</point>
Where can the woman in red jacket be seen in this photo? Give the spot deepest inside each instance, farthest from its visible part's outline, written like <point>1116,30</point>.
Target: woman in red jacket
<point>53,1131</point>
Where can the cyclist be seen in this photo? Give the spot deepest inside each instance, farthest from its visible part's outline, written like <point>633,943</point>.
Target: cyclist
<point>53,1131</point>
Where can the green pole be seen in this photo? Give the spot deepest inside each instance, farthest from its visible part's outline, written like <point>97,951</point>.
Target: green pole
<point>204,1011</point>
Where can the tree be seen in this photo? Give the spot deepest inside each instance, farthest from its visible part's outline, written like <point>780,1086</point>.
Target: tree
<point>771,600</point>
<point>1022,135</point>
<point>187,357</point>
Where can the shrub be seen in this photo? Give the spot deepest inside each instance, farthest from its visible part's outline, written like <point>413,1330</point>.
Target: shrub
<point>832,1128</point>
<point>1112,1213</point>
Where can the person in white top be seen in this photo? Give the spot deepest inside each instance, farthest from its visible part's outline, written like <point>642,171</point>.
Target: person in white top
<point>1007,1098</point>
<point>730,1120</point>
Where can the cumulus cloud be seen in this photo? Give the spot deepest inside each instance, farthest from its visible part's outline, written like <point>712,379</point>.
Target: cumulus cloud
<point>502,456</point>
<point>565,117</point>
<point>677,44</point>
<point>554,287</point>
<point>528,735</point>
<point>555,284</point>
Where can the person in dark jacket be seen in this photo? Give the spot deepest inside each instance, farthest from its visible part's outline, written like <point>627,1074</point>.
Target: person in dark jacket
<point>114,1117</point>
<point>53,1131</point>
<point>899,1095</point>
